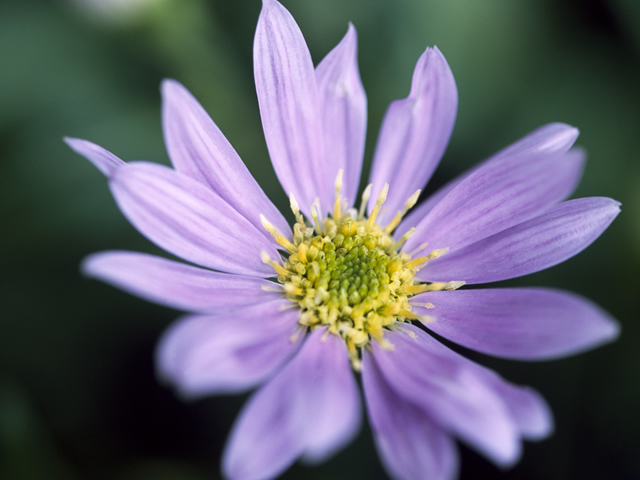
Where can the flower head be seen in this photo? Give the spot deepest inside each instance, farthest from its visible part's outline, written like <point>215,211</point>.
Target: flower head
<point>355,287</point>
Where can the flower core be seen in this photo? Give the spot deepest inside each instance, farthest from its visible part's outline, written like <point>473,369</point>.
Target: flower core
<point>346,272</point>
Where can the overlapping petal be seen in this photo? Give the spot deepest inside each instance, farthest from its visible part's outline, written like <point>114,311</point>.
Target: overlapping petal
<point>519,323</point>
<point>228,352</point>
<point>177,285</point>
<point>452,394</point>
<point>310,409</point>
<point>411,445</point>
<point>102,159</point>
<point>188,219</point>
<point>549,139</point>
<point>562,232</point>
<point>197,148</point>
<point>288,98</point>
<point>497,196</point>
<point>414,133</point>
<point>344,114</point>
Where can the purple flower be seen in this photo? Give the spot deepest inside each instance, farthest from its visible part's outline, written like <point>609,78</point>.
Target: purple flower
<point>298,310</point>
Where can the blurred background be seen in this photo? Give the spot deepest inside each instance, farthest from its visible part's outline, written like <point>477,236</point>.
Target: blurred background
<point>78,393</point>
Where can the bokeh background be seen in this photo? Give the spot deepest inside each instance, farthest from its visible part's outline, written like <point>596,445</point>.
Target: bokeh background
<point>78,393</point>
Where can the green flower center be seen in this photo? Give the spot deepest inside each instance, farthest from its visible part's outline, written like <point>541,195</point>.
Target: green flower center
<point>348,274</point>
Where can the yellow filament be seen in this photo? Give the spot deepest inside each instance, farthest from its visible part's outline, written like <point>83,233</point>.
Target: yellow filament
<point>407,206</point>
<point>337,205</point>
<point>281,239</point>
<point>371,221</point>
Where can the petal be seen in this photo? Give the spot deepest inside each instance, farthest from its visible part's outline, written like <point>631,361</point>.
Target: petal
<point>187,219</point>
<point>450,392</point>
<point>288,99</point>
<point>198,148</point>
<point>549,139</point>
<point>414,133</point>
<point>178,285</point>
<point>411,445</point>
<point>344,114</point>
<point>497,196</point>
<point>229,352</point>
<point>564,231</point>
<point>103,160</point>
<point>311,408</point>
<point>519,323</point>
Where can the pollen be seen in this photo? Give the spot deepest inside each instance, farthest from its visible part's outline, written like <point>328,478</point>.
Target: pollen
<point>347,273</point>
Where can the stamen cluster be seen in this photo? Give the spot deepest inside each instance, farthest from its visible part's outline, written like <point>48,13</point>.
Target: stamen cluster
<point>347,273</point>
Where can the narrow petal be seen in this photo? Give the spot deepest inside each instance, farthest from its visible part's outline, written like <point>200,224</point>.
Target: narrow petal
<point>310,409</point>
<point>415,133</point>
<point>288,98</point>
<point>229,352</point>
<point>178,285</point>
<point>497,196</point>
<point>450,392</point>
<point>103,160</point>
<point>198,148</point>
<point>519,323</point>
<point>344,114</point>
<point>411,445</point>
<point>564,231</point>
<point>549,139</point>
<point>187,219</point>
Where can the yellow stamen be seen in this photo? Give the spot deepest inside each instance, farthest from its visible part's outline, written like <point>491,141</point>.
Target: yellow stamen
<point>365,200</point>
<point>280,270</point>
<point>295,208</point>
<point>404,238</point>
<point>371,221</point>
<point>407,206</point>
<point>314,215</point>
<point>337,206</point>
<point>281,239</point>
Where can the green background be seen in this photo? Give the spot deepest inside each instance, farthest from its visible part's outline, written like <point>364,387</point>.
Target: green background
<point>78,393</point>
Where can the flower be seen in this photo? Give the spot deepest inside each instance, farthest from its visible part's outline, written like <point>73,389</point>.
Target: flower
<point>355,290</point>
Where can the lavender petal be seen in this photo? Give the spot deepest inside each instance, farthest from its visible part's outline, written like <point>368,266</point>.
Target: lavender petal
<point>310,409</point>
<point>177,285</point>
<point>519,323</point>
<point>198,149</point>
<point>562,232</point>
<point>497,196</point>
<point>450,392</point>
<point>103,160</point>
<point>411,445</point>
<point>548,139</point>
<point>288,99</point>
<point>414,133</point>
<point>187,219</point>
<point>344,113</point>
<point>229,352</point>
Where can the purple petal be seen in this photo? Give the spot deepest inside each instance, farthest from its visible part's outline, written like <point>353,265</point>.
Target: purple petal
<point>344,113</point>
<point>497,196</point>
<point>414,133</point>
<point>198,148</point>
<point>103,160</point>
<point>311,408</point>
<point>549,139</point>
<point>187,219</point>
<point>178,285</point>
<point>450,392</point>
<point>230,352</point>
<point>411,445</point>
<point>288,98</point>
<point>564,231</point>
<point>519,323</point>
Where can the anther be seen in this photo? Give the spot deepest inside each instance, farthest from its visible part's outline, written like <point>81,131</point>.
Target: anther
<point>314,215</point>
